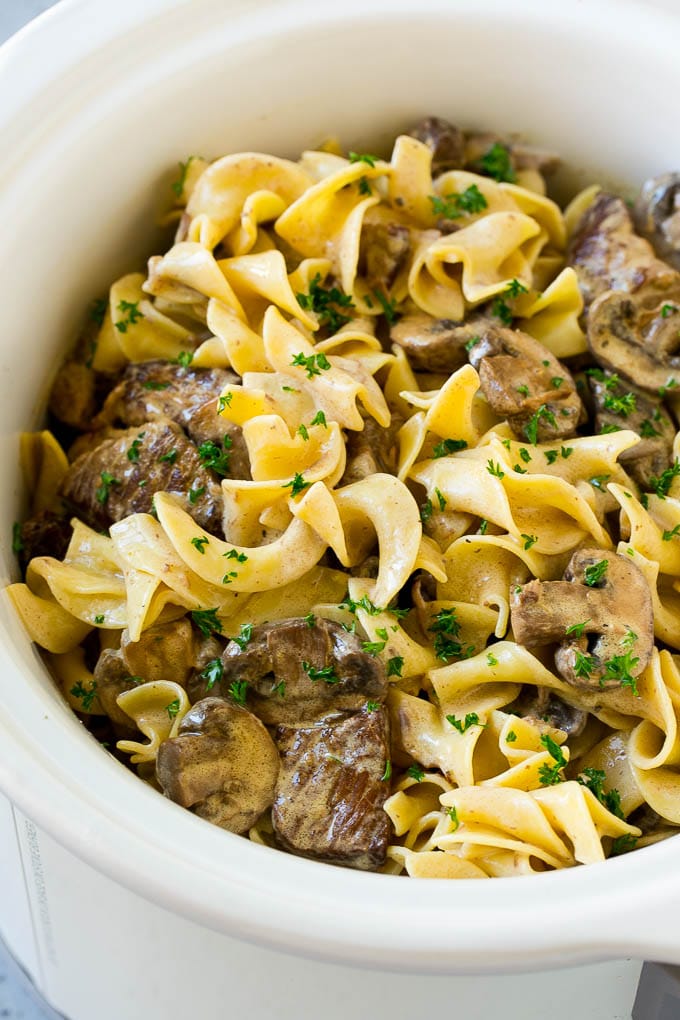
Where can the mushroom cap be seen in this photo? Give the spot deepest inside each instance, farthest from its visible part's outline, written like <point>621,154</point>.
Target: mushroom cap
<point>614,615</point>
<point>432,345</point>
<point>223,764</point>
<point>657,215</point>
<point>446,141</point>
<point>638,337</point>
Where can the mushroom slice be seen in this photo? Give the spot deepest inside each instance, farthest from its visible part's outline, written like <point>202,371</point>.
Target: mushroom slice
<point>525,383</point>
<point>601,613</point>
<point>295,671</point>
<point>626,406</point>
<point>543,706</point>
<point>638,336</point>
<point>373,450</point>
<point>333,783</point>
<point>111,678</point>
<point>433,345</point>
<point>384,252</point>
<point>657,215</point>
<point>222,764</point>
<point>446,141</point>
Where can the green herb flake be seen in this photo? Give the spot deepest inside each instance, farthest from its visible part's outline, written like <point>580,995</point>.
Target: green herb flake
<point>363,157</point>
<point>86,694</point>
<point>99,619</point>
<point>440,499</point>
<point>178,184</point>
<point>302,431</point>
<point>453,815</point>
<point>325,302</point>
<point>245,633</point>
<point>326,673</point>
<point>457,204</point>
<point>224,402</point>
<point>471,719</point>
<point>594,573</point>
<point>395,665</point>
<point>131,315</point>
<point>319,419</point>
<point>551,455</point>
<point>17,540</point>
<point>173,708</point>
<point>133,449</point>
<point>576,629</point>
<point>200,544</point>
<point>297,484</point>
<point>108,481</point>
<point>496,163</point>
<point>152,384</point>
<point>238,690</point>
<point>674,533</point>
<point>415,772</point>
<point>511,737</point>
<point>207,621</point>
<point>215,458</point>
<point>531,428</point>
<point>387,774</point>
<point>389,308</point>
<point>372,706</point>
<point>495,469</point>
<point>599,481</point>
<point>523,390</point>
<point>667,310</point>
<point>556,381</point>
<point>491,660</point>
<point>212,673</point>
<point>234,554</point>
<point>170,457</point>
<point>661,484</point>
<point>448,446</point>
<point>594,780</point>
<point>426,511</point>
<point>623,844</point>
<point>550,775</point>
<point>471,343</point>
<point>195,494</point>
<point>529,540</point>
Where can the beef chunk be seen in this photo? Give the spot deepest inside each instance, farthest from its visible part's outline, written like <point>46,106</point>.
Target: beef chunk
<point>540,704</point>
<point>374,449</point>
<point>332,785</point>
<point>432,345</point>
<point>384,252</point>
<point>297,673</point>
<point>446,141</point>
<point>46,534</point>
<point>120,477</point>
<point>73,398</point>
<point>154,390</point>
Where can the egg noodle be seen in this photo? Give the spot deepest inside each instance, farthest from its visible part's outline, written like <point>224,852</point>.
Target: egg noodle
<point>267,272</point>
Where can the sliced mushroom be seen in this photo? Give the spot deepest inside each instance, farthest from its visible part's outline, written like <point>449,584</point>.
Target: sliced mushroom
<point>446,141</point>
<point>541,705</point>
<point>638,337</point>
<point>332,786</point>
<point>604,600</point>
<point>657,215</point>
<point>297,671</point>
<point>113,677</point>
<point>525,383</point>
<point>374,449</point>
<point>608,255</point>
<point>222,764</point>
<point>626,406</point>
<point>432,345</point>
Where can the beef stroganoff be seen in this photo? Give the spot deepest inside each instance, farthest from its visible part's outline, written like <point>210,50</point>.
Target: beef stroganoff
<point>358,529</point>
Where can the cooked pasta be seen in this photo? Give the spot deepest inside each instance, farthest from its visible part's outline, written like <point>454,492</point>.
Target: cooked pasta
<point>368,542</point>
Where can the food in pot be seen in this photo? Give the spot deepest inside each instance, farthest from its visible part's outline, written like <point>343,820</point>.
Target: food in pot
<point>357,528</point>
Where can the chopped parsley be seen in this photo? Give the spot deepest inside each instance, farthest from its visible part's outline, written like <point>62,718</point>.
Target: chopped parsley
<point>312,363</point>
<point>594,780</point>
<point>302,431</point>
<point>448,446</point>
<point>577,628</point>
<point>531,428</point>
<point>622,844</point>
<point>453,815</point>
<point>207,621</point>
<point>310,620</point>
<point>566,451</point>
<point>389,307</point>
<point>326,302</point>
<point>245,633</point>
<point>620,668</point>
<point>551,455</point>
<point>98,311</point>
<point>195,494</point>
<point>670,384</point>
<point>511,737</point>
<point>668,535</point>
<point>99,618</point>
<point>238,690</point>
<point>184,358</point>
<point>17,540</point>
<point>594,573</point>
<point>446,630</point>
<point>102,493</point>
<point>170,457</point>
<point>387,774</point>
<point>327,673</point>
<point>661,484</point>
<point>496,163</point>
<point>363,157</point>
<point>212,673</point>
<point>224,402</point>
<point>471,719</point>
<point>599,481</point>
<point>550,775</point>
<point>529,540</point>
<point>375,647</point>
<point>319,419</point>
<point>523,390</point>
<point>491,659</point>
<point>441,499</point>
<point>372,706</point>
<point>173,708</point>
<point>457,204</point>
<point>131,315</point>
<point>86,694</point>
<point>471,343</point>
<point>199,543</point>
<point>556,381</point>
<point>152,384</point>
<point>524,454</point>
<point>584,664</point>
<point>297,484</point>
<point>667,310</point>
<point>214,458</point>
<point>426,511</point>
<point>178,185</point>
<point>495,469</point>
<point>234,554</point>
<point>647,430</point>
<point>133,449</point>
<point>623,405</point>
<point>415,772</point>
<point>395,665</point>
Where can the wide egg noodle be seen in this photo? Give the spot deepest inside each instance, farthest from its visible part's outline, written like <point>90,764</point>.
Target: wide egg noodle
<point>157,709</point>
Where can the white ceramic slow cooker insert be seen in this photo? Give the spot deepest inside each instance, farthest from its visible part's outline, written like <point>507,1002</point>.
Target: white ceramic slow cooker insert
<point>99,103</point>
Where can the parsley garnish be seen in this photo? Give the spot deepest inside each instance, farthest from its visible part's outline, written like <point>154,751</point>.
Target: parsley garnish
<point>624,405</point>
<point>389,307</point>
<point>556,381</point>
<point>395,665</point>
<point>238,690</point>
<point>86,695</point>
<point>212,673</point>
<point>599,481</point>
<point>102,493</point>
<point>415,772</point>
<point>595,572</point>
<point>98,310</point>
<point>529,540</point>
<point>577,628</point>
<point>310,620</point>
<point>302,431</point>
<point>375,647</point>
<point>297,484</point>
<point>647,430</point>
<point>620,668</point>
<point>448,446</point>
<point>151,384</point>
<point>524,454</point>
<point>312,363</point>
<point>511,737</point>
<point>131,315</point>
<point>327,673</point>
<point>471,719</point>
<point>594,780</point>
<point>224,401</point>
<point>195,494</point>
<point>440,498</point>
<point>170,457</point>
<point>457,204</point>
<point>551,455</point>
<point>245,633</point>
<point>173,708</point>
<point>453,815</point>
<point>319,419</point>
<point>207,621</point>
<point>495,469</point>
<point>178,185</point>
<point>471,343</point>
<point>662,484</point>
<point>99,618</point>
<point>446,630</point>
<point>233,554</point>
<point>496,163</point>
<point>584,664</point>
<point>17,541</point>
<point>668,535</point>
<point>325,302</point>
<point>199,543</point>
<point>372,706</point>
<point>531,428</point>
<point>426,511</point>
<point>622,844</point>
<point>523,390</point>
<point>667,310</point>
<point>363,157</point>
<point>212,457</point>
<point>184,358</point>
<point>133,449</point>
<point>491,659</point>
<point>549,775</point>
<point>387,773</point>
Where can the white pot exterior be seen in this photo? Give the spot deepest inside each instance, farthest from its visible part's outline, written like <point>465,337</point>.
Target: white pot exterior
<point>98,102</point>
